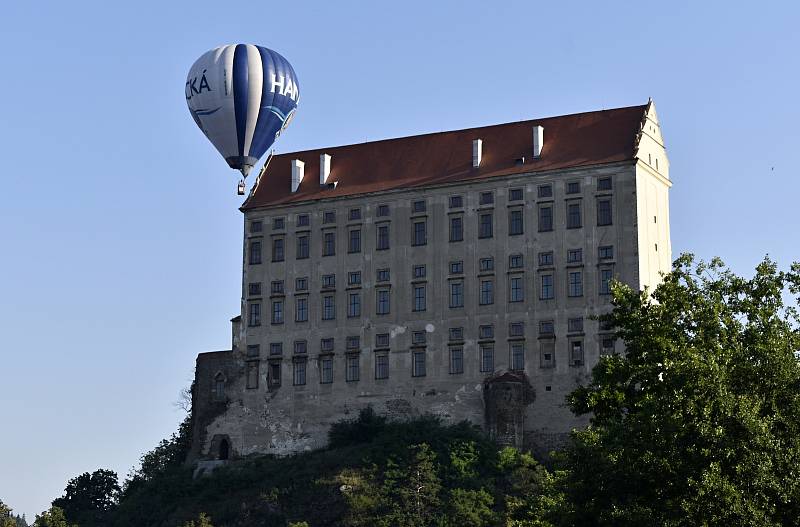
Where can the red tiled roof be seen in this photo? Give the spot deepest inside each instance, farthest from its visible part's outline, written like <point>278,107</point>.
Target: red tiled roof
<point>582,139</point>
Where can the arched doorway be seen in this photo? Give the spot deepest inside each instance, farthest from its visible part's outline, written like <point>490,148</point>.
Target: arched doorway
<point>224,449</point>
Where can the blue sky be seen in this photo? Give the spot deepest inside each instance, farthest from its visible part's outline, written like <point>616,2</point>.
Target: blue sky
<point>119,230</point>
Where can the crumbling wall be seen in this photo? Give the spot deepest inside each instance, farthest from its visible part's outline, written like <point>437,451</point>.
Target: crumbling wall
<point>206,405</point>
<point>506,398</point>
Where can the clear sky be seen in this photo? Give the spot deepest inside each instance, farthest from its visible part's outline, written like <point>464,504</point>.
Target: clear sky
<point>120,238</point>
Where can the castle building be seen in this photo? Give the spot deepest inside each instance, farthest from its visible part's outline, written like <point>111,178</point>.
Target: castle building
<point>454,273</point>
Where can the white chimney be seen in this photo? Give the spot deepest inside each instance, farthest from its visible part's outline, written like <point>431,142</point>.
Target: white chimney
<point>477,152</point>
<point>298,171</point>
<point>538,141</point>
<point>324,168</point>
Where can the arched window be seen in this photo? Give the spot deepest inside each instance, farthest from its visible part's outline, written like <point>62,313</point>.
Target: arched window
<point>224,449</point>
<point>218,388</point>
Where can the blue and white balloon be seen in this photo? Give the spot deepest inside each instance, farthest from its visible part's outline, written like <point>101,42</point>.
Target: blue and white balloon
<point>242,96</point>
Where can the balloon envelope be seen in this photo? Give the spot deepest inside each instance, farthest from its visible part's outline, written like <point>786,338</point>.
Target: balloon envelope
<point>242,96</point>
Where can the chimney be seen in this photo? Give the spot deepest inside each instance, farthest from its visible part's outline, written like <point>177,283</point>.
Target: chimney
<point>298,171</point>
<point>324,168</point>
<point>538,141</point>
<point>477,152</point>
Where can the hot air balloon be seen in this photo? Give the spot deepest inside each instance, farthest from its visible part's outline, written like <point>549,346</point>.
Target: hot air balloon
<point>242,97</point>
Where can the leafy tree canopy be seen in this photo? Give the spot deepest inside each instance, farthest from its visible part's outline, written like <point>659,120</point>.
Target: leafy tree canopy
<point>89,499</point>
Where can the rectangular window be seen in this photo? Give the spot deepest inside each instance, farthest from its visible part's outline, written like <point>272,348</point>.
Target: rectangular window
<point>382,340</point>
<point>354,305</point>
<point>545,191</point>
<point>573,187</point>
<point>354,278</point>
<point>326,345</point>
<point>515,222</point>
<point>605,252</point>
<point>329,217</point>
<point>418,337</point>
<point>355,214</point>
<point>328,307</point>
<point>456,294</point>
<point>517,356</point>
<point>383,275</point>
<point>576,353</point>
<point>486,332</point>
<point>545,218</point>
<point>328,281</point>
<point>603,212</point>
<point>277,287</point>
<point>256,226</point>
<point>485,227</point>
<point>353,342</point>
<point>275,373</point>
<point>419,271</point>
<point>516,329</point>
<point>486,198</point>
<point>575,284</point>
<point>300,347</point>
<point>607,346</point>
<point>419,236</point>
<point>329,244</point>
<point>487,357</point>
<point>515,194</point>
<point>383,210</point>
<point>546,327</point>
<point>278,224</point>
<point>381,366</point>
<point>301,284</point>
<point>383,237</point>
<point>457,267</point>
<point>382,302</point>
<point>419,364</point>
<point>254,289</point>
<point>277,249</point>
<point>255,253</point>
<point>486,264</point>
<point>574,255</point>
<point>276,348</point>
<point>574,215</point>
<point>547,353</point>
<point>253,350</point>
<point>301,310</point>
<point>604,183</point>
<point>486,292</point>
<point>354,243</point>
<point>546,258</point>
<point>302,220</point>
<point>326,370</point>
<point>515,261</point>
<point>255,314</point>
<point>516,291</point>
<point>575,325</point>
<point>252,374</point>
<point>605,281</point>
<point>547,292</point>
<point>456,360</point>
<point>353,370</point>
<point>456,229</point>
<point>456,333</point>
<point>456,202</point>
<point>419,298</point>
<point>299,373</point>
<point>277,311</point>
<point>418,206</point>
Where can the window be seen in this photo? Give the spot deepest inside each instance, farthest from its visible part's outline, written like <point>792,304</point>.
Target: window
<point>419,364</point>
<point>254,289</point>
<point>354,305</point>
<point>485,225</point>
<point>574,255</point>
<point>573,187</point>
<point>545,218</point>
<point>515,222</point>
<point>515,261</point>
<point>383,275</point>
<point>607,346</point>
<point>457,267</point>
<point>547,353</point>
<point>353,342</point>
<point>419,236</point>
<point>382,302</point>
<point>575,284</point>
<point>253,350</point>
<point>456,202</point>
<point>219,387</point>
<point>277,287</point>
<point>604,183</point>
<point>383,237</point>
<point>516,329</point>
<point>547,292</point>
<point>277,311</point>
<point>517,356</point>
<point>383,210</point>
<point>329,217</point>
<point>326,370</point>
<point>299,373</point>
<point>354,278</point>
<point>456,360</point>
<point>418,206</point>
<point>256,226</point>
<point>326,345</point>
<point>352,372</point>
<point>456,333</point>
<point>573,215</point>
<point>328,281</point>
<point>301,284</point>
<point>277,249</point>
<point>278,224</point>
<point>486,292</point>
<point>382,340</point>
<point>355,214</point>
<point>576,353</point>
<point>486,264</point>
<point>419,298</point>
<point>419,271</point>
<point>300,347</point>
<point>255,314</point>
<point>605,281</point>
<point>354,243</point>
<point>575,325</point>
<point>301,310</point>
<point>255,253</point>
<point>276,348</point>
<point>545,191</point>
<point>381,366</point>
<point>603,212</point>
<point>329,244</point>
<point>546,327</point>
<point>418,337</point>
<point>487,357</point>
<point>486,198</point>
<point>252,374</point>
<point>516,289</point>
<point>546,258</point>
<point>456,229</point>
<point>515,194</point>
<point>606,252</point>
<point>328,307</point>
<point>302,220</point>
<point>456,294</point>
<point>486,332</point>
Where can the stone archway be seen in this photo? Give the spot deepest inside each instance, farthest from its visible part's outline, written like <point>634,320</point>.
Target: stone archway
<point>224,450</point>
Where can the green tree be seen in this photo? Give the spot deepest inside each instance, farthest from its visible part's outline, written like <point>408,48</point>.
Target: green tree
<point>698,423</point>
<point>202,521</point>
<point>531,497</point>
<point>170,453</point>
<point>89,499</point>
<point>6,519</point>
<point>54,517</point>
